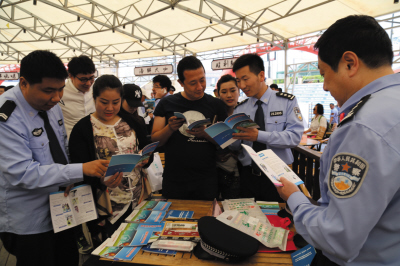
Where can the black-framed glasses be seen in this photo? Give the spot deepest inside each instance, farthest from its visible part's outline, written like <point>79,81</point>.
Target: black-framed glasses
<point>85,80</point>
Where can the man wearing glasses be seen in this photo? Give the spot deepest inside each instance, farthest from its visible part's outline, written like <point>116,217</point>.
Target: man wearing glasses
<point>77,101</point>
<point>161,86</point>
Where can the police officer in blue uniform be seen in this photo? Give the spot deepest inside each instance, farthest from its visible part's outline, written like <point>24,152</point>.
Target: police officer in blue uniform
<point>33,163</point>
<point>357,220</point>
<point>280,121</point>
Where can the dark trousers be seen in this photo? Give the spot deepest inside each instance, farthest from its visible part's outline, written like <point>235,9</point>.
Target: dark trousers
<point>258,187</point>
<point>44,249</point>
<point>321,260</point>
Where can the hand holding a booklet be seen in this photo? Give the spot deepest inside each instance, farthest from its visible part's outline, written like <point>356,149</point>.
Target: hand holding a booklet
<point>249,134</point>
<point>287,189</point>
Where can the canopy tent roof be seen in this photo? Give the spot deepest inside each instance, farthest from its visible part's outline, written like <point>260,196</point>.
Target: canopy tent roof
<point>114,30</point>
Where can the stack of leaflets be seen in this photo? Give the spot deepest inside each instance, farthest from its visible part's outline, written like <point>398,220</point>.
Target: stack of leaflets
<point>126,162</point>
<point>272,166</point>
<point>192,124</point>
<point>222,132</point>
<point>184,246</point>
<point>246,206</point>
<point>179,215</point>
<point>77,208</point>
<point>264,232</point>
<point>153,205</point>
<point>158,251</point>
<point>180,230</point>
<point>119,253</point>
<point>269,207</point>
<point>129,235</point>
<point>145,216</point>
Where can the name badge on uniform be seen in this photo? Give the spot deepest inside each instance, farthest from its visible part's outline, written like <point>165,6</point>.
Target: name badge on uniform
<point>60,122</point>
<point>276,113</point>
<point>37,132</point>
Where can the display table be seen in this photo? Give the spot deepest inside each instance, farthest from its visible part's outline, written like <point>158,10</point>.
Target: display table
<point>200,208</point>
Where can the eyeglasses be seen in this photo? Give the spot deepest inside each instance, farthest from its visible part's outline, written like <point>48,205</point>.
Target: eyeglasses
<point>85,80</point>
<point>157,87</point>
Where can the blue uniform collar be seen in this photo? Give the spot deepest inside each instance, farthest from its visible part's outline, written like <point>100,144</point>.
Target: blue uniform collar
<point>265,98</point>
<point>374,86</point>
<point>23,103</point>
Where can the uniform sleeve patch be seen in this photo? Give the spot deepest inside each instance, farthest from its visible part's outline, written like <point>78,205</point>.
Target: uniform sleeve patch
<point>346,174</point>
<point>298,114</point>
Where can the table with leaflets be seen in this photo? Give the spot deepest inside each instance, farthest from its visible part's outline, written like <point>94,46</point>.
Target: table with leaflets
<point>200,208</point>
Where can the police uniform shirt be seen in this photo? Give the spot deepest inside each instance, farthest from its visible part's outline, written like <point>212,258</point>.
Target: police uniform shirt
<point>358,220</point>
<point>27,171</point>
<point>283,124</point>
<point>334,115</point>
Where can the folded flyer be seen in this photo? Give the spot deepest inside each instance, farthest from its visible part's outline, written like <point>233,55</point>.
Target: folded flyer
<point>77,208</point>
<point>272,166</point>
<point>126,162</point>
<point>158,251</point>
<point>222,132</point>
<point>193,124</point>
<point>145,216</point>
<point>179,215</point>
<point>153,205</point>
<point>119,253</point>
<point>267,234</point>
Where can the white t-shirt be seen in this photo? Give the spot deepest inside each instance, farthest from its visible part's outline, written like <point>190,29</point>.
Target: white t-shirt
<point>75,105</point>
<point>318,121</point>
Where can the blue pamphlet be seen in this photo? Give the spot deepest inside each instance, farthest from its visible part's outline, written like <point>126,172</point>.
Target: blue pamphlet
<point>158,251</point>
<point>222,132</point>
<point>127,253</point>
<point>179,215</point>
<point>145,216</point>
<point>145,232</point>
<point>304,256</point>
<point>127,162</point>
<point>193,124</point>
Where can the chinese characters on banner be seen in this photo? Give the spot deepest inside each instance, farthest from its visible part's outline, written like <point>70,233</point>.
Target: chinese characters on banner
<point>153,70</point>
<point>9,76</point>
<point>222,64</point>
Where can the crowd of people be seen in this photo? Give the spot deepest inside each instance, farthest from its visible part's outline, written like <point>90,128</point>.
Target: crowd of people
<point>60,128</point>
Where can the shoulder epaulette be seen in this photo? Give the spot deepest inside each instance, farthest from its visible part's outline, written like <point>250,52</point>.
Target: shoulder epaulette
<point>6,110</point>
<point>355,109</point>
<point>285,95</point>
<point>242,102</point>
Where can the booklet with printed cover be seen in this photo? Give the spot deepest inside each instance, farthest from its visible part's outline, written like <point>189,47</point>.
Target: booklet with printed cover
<point>149,106</point>
<point>119,253</point>
<point>193,124</point>
<point>145,216</point>
<point>179,215</point>
<point>153,205</point>
<point>272,166</point>
<point>77,208</point>
<point>127,162</point>
<point>180,230</point>
<point>222,132</point>
<point>158,251</point>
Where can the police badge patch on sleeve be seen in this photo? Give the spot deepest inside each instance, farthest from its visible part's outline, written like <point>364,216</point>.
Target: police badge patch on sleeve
<point>346,174</point>
<point>297,112</point>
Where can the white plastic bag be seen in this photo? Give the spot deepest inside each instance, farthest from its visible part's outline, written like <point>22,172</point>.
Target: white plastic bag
<point>155,172</point>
